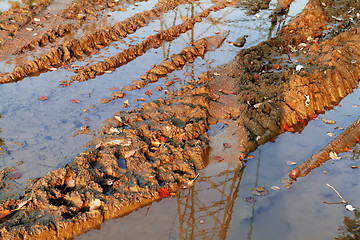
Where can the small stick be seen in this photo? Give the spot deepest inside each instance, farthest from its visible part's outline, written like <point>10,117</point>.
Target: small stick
<point>343,200</point>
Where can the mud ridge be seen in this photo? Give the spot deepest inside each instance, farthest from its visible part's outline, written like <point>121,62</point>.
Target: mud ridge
<point>76,48</point>
<point>78,13</point>
<point>176,61</point>
<point>152,42</point>
<point>272,96</point>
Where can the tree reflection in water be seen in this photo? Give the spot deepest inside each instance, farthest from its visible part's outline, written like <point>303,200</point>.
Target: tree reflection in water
<point>204,217</point>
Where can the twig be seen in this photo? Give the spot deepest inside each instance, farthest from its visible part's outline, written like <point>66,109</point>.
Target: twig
<point>343,200</point>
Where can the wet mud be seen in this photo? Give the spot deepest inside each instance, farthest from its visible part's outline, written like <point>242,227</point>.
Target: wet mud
<point>152,152</point>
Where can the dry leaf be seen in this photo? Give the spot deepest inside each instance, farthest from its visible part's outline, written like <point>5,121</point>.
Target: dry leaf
<point>218,158</point>
<point>330,134</point>
<point>226,145</point>
<point>4,212</point>
<point>129,153</point>
<point>74,100</point>
<point>163,192</point>
<point>148,92</point>
<point>290,162</point>
<point>328,121</point>
<point>42,98</point>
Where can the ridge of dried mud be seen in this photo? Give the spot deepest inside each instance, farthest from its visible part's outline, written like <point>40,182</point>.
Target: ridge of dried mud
<point>164,143</point>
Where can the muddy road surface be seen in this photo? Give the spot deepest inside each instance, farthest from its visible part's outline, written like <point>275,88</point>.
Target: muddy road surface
<point>134,83</point>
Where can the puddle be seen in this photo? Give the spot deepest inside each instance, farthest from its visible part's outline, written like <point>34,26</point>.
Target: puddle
<point>40,135</point>
<point>214,208</point>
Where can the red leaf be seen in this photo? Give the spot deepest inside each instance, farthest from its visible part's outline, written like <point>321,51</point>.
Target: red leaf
<point>114,88</point>
<point>218,158</point>
<point>226,145</point>
<point>176,79</point>
<point>162,139</point>
<point>287,128</point>
<point>294,173</point>
<point>42,98</point>
<point>347,149</point>
<point>314,116</point>
<point>255,76</point>
<point>148,92</point>
<point>15,175</point>
<point>163,192</point>
<point>74,100</point>
<point>4,212</point>
<point>276,66</point>
<point>358,140</point>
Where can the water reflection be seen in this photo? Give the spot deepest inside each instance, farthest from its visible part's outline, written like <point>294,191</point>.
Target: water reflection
<point>201,217</point>
<point>17,4</point>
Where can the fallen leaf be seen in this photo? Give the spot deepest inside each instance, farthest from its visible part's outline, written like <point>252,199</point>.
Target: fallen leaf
<point>287,128</point>
<point>260,191</point>
<point>163,192</point>
<point>216,74</point>
<point>180,136</point>
<point>129,153</point>
<point>43,98</point>
<point>275,188</point>
<point>354,167</point>
<point>255,76</point>
<point>333,155</point>
<point>330,134</point>
<point>15,175</point>
<point>328,121</point>
<point>250,156</point>
<point>347,149</point>
<point>250,199</point>
<point>218,158</point>
<point>154,143</point>
<point>176,79</point>
<point>314,116</point>
<point>123,9</point>
<point>276,66</point>
<point>114,88</point>
<point>290,162</point>
<point>226,145</point>
<point>294,173</point>
<point>99,46</point>
<point>148,92</point>
<point>162,139</point>
<point>4,212</point>
<point>257,105</point>
<point>74,100</point>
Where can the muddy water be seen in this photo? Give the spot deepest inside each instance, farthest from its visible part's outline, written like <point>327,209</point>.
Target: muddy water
<point>40,135</point>
<point>214,208</point>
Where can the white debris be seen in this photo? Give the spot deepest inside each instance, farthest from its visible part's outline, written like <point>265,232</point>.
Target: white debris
<point>299,67</point>
<point>350,208</point>
<point>333,155</point>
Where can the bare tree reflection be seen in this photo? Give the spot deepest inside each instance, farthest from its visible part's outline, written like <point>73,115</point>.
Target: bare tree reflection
<point>205,211</point>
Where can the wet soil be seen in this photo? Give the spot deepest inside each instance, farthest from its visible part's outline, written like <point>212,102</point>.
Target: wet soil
<point>151,152</point>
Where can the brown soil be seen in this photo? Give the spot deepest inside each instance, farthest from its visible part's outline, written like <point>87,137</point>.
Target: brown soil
<point>152,152</point>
